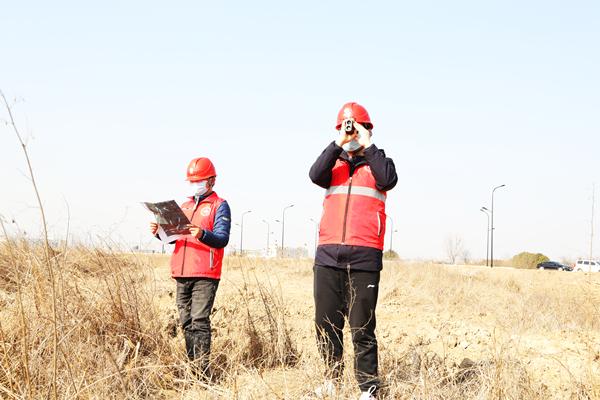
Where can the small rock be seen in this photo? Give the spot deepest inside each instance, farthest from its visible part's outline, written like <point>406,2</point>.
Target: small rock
<point>466,363</point>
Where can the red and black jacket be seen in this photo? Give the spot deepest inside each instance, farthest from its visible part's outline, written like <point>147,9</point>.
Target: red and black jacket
<point>352,228</point>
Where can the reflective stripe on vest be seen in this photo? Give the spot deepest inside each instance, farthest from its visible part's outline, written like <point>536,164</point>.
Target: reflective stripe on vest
<point>359,190</point>
<point>353,209</point>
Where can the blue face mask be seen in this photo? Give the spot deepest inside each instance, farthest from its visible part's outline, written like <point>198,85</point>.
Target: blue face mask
<point>199,188</point>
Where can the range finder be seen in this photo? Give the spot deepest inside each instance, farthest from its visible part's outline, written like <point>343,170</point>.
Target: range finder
<point>348,126</point>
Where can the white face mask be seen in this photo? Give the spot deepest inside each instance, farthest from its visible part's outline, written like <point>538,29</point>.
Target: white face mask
<point>199,188</point>
<point>351,146</point>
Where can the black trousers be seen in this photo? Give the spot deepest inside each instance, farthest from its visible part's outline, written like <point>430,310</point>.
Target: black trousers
<point>341,294</point>
<point>195,299</point>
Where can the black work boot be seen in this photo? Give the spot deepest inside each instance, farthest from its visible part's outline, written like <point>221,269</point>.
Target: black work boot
<point>198,352</point>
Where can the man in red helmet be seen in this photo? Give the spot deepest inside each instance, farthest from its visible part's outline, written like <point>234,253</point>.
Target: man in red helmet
<point>197,259</point>
<point>356,176</point>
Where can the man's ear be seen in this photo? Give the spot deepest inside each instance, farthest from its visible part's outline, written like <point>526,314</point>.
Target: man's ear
<point>211,181</point>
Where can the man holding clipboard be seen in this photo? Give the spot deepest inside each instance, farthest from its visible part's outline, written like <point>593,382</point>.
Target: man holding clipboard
<point>198,256</point>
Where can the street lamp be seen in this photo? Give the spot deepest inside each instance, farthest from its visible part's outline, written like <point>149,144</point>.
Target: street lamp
<point>316,234</point>
<point>268,229</point>
<point>492,230</point>
<point>487,235</point>
<point>283,228</point>
<point>242,233</point>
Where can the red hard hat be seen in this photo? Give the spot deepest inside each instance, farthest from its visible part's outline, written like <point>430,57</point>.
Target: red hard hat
<point>199,169</point>
<point>356,111</point>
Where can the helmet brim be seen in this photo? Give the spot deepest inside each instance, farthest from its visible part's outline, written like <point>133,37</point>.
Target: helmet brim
<point>198,179</point>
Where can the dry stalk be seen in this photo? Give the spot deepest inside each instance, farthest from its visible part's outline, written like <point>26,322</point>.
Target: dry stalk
<point>25,346</point>
<point>46,245</point>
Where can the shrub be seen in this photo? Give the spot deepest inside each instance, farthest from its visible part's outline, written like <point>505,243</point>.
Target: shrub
<point>391,255</point>
<point>528,260</point>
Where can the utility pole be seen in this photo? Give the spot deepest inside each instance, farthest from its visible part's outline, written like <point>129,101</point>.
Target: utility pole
<point>242,233</point>
<point>492,230</point>
<point>283,229</point>
<point>391,235</point>
<point>487,236</point>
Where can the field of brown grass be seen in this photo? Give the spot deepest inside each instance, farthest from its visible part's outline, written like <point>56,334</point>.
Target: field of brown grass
<point>94,324</point>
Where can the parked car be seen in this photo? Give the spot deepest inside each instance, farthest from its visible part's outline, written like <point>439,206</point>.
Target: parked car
<point>587,266</point>
<point>554,265</point>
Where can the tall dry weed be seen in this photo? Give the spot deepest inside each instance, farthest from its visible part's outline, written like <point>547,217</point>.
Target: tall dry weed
<point>254,331</point>
<point>105,322</point>
<point>114,341</point>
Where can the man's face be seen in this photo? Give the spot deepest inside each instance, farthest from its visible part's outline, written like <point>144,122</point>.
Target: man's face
<point>361,136</point>
<point>204,186</point>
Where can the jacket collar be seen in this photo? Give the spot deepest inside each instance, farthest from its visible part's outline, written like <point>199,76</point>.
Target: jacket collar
<point>202,198</point>
<point>356,161</point>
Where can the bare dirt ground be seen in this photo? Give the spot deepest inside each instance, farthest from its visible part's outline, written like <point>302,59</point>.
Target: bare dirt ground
<point>542,327</point>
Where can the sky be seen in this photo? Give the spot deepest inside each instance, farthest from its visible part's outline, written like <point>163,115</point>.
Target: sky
<point>115,98</point>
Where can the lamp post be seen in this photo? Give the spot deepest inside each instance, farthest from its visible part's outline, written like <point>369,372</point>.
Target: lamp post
<point>316,234</point>
<point>492,229</point>
<point>487,236</point>
<point>242,233</point>
<point>268,230</point>
<point>283,228</point>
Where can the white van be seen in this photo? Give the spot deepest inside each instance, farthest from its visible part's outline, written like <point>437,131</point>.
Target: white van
<point>587,266</point>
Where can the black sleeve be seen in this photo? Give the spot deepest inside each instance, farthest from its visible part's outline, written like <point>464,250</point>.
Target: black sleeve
<point>382,167</point>
<point>320,172</point>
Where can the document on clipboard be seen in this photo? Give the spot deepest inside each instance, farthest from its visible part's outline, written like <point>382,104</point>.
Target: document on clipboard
<point>172,222</point>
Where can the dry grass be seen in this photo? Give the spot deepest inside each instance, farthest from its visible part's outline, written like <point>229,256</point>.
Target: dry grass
<point>444,332</point>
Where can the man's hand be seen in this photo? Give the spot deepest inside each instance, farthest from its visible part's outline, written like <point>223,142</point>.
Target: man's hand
<point>195,231</point>
<point>153,228</point>
<point>343,138</point>
<point>364,138</point>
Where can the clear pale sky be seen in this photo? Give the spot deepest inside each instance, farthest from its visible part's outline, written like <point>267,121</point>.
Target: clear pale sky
<point>115,98</point>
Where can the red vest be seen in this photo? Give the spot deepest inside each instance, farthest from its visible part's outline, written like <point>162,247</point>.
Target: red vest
<point>353,209</point>
<point>192,258</point>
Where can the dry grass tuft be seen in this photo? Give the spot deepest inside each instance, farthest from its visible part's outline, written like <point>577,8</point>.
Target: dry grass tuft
<point>253,329</point>
<point>425,375</point>
<point>106,322</point>
<point>113,340</point>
